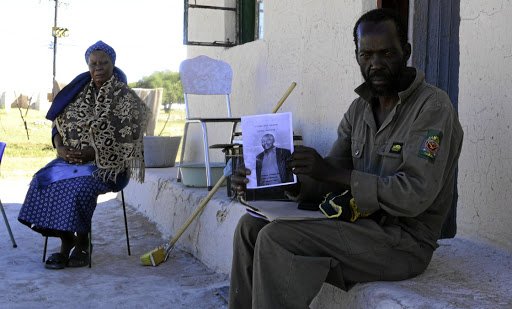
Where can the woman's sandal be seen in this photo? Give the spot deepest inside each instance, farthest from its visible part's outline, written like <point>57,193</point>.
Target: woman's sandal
<point>56,261</point>
<point>78,258</point>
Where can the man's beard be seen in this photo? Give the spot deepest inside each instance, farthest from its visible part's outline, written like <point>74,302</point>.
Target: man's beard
<point>390,89</point>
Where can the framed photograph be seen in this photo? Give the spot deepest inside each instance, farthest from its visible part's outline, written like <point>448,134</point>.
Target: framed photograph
<point>267,148</point>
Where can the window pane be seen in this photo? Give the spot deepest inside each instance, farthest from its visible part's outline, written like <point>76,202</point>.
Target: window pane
<point>247,22</point>
<point>211,25</point>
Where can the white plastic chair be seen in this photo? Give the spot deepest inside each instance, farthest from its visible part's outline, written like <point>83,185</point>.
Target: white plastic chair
<point>203,75</point>
<point>2,148</point>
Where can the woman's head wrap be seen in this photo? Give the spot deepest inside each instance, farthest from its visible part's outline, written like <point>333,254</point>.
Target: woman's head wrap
<point>68,93</point>
<point>100,45</point>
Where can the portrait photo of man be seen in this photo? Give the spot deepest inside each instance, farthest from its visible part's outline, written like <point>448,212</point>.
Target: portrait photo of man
<point>271,163</point>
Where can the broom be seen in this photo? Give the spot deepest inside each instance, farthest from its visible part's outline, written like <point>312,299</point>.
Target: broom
<point>160,254</point>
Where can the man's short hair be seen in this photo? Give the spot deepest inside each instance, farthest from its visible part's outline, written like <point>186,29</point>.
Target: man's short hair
<point>268,135</point>
<point>380,15</point>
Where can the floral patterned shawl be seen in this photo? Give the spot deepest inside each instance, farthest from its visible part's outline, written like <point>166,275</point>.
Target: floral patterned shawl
<point>113,122</point>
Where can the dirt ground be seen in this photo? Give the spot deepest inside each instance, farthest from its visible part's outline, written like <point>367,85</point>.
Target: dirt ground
<point>115,280</point>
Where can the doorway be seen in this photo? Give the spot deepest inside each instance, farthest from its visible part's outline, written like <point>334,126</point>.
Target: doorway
<point>434,36</point>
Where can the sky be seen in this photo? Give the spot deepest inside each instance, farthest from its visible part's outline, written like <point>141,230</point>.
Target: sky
<point>147,36</point>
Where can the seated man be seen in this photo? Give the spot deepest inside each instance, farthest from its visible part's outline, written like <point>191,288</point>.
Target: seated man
<point>403,139</point>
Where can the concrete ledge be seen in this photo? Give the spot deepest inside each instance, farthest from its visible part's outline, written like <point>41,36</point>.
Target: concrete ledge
<point>169,204</point>
<point>462,274</point>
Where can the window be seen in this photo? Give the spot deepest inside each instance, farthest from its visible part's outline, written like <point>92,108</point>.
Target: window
<point>222,23</point>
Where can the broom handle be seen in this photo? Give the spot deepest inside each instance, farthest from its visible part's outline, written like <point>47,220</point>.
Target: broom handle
<point>197,211</point>
<point>285,96</point>
<point>221,180</point>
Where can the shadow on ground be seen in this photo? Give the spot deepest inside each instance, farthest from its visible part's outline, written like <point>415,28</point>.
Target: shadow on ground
<point>115,280</point>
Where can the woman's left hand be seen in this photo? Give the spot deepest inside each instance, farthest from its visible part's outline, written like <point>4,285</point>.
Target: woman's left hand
<point>76,156</point>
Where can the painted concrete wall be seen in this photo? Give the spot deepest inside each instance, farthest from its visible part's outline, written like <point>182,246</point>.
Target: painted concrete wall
<point>485,111</point>
<point>170,204</point>
<point>310,42</point>
<point>307,42</point>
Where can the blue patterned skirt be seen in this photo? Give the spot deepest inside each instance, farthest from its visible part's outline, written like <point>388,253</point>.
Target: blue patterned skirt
<point>63,196</point>
<point>64,205</point>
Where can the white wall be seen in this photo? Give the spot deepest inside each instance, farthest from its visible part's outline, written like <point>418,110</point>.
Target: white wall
<point>307,42</point>
<point>485,111</point>
<point>310,42</point>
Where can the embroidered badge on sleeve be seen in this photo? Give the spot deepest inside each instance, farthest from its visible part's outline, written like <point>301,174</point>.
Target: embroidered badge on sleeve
<point>430,146</point>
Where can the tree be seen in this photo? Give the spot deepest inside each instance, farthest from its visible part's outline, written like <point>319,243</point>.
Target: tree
<point>169,81</point>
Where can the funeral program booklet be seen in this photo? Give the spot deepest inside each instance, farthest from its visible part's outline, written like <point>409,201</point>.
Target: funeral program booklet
<point>268,145</point>
<point>280,211</point>
<point>267,148</point>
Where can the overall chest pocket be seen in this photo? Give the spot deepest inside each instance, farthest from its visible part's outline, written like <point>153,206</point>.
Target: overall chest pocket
<point>391,155</point>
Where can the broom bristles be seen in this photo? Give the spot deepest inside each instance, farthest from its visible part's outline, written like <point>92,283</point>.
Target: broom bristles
<point>153,257</point>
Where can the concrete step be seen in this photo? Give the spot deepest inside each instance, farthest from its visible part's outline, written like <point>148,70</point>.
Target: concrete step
<point>462,274</point>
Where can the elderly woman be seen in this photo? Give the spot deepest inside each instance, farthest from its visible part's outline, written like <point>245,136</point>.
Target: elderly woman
<point>99,123</point>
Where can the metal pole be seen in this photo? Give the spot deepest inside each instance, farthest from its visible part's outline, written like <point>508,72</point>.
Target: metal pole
<point>55,43</point>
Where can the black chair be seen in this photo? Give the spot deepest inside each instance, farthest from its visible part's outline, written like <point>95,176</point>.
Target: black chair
<point>90,242</point>
<point>2,148</point>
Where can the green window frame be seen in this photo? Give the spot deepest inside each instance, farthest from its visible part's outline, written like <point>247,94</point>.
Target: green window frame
<point>243,16</point>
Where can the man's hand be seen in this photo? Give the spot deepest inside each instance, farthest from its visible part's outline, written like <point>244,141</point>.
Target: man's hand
<point>239,180</point>
<point>75,156</point>
<point>307,161</point>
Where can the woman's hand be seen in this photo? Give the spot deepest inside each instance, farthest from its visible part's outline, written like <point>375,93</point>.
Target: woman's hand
<point>76,156</point>
<point>239,180</point>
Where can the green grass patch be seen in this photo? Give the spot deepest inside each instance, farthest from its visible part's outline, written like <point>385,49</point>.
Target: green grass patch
<point>24,155</point>
<point>170,124</point>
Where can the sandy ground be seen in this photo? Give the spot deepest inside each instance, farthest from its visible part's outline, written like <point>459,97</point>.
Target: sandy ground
<point>115,280</point>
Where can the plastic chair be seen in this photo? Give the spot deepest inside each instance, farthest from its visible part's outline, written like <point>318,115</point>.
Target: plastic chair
<point>203,75</point>
<point>14,245</point>
<point>90,242</point>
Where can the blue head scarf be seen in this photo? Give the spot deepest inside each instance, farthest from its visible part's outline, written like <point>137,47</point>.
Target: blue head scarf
<point>100,45</point>
<point>68,93</point>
